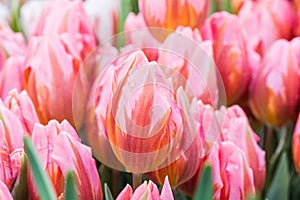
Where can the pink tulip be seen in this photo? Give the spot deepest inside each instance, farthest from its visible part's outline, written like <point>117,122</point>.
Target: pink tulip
<point>141,120</point>
<point>11,76</point>
<point>4,192</point>
<point>11,143</point>
<point>68,17</point>
<point>21,105</point>
<point>236,128</point>
<point>170,14</point>
<point>295,145</point>
<point>266,21</point>
<point>147,191</point>
<point>51,66</point>
<point>10,44</point>
<point>105,23</point>
<point>232,175</point>
<point>274,93</point>
<point>230,53</point>
<point>61,151</point>
<point>4,16</point>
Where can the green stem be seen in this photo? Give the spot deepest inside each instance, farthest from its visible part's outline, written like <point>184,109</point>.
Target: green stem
<point>136,180</point>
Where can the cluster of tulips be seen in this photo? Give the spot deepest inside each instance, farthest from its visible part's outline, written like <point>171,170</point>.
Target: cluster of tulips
<point>150,99</point>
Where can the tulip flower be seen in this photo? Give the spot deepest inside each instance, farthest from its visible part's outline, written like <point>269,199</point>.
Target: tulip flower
<point>4,192</point>
<point>105,23</point>
<point>170,14</point>
<point>51,66</point>
<point>232,175</point>
<point>137,115</point>
<point>4,16</point>
<point>147,191</point>
<point>266,21</point>
<point>11,143</point>
<point>61,151</point>
<point>11,76</point>
<point>274,93</point>
<point>68,17</point>
<point>10,44</point>
<point>22,106</point>
<point>295,145</point>
<point>230,53</point>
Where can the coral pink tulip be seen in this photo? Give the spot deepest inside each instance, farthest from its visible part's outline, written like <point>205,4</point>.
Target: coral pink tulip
<point>230,53</point>
<point>61,151</point>
<point>51,66</point>
<point>22,106</point>
<point>266,21</point>
<point>274,93</point>
<point>147,191</point>
<point>296,145</point>
<point>172,13</point>
<point>68,17</point>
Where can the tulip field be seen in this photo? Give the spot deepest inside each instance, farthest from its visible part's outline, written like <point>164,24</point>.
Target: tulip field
<point>150,99</point>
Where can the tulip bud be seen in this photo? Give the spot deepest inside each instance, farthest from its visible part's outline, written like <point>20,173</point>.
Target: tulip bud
<point>266,21</point>
<point>170,14</point>
<point>147,191</point>
<point>51,66</point>
<point>68,17</point>
<point>230,53</point>
<point>61,151</point>
<point>274,92</point>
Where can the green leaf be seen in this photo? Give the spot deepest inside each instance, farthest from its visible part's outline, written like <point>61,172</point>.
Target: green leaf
<point>70,189</point>
<point>15,7</point>
<point>41,179</point>
<point>213,7</point>
<point>204,190</point>
<point>279,188</point>
<point>20,189</point>
<point>226,5</point>
<point>108,195</point>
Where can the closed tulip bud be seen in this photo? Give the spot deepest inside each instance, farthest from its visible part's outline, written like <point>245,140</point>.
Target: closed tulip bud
<point>274,92</point>
<point>147,191</point>
<point>232,175</point>
<point>296,145</point>
<point>4,192</point>
<point>170,14</point>
<point>51,66</point>
<point>266,21</point>
<point>21,105</point>
<point>61,151</point>
<point>68,17</point>
<point>230,53</point>
<point>11,76</point>
<point>10,44</point>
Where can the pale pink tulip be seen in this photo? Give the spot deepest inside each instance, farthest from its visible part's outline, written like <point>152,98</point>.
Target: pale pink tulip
<point>170,14</point>
<point>51,66</point>
<point>230,53</point>
<point>22,106</point>
<point>68,17</point>
<point>61,151</point>
<point>266,21</point>
<point>4,192</point>
<point>147,191</point>
<point>274,93</point>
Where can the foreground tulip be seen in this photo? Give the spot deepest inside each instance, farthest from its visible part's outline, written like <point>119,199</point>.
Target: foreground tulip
<point>21,105</point>
<point>61,151</point>
<point>147,191</point>
<point>10,44</point>
<point>51,66</point>
<point>4,192</point>
<point>68,17</point>
<point>230,53</point>
<point>170,14</point>
<point>138,116</point>
<point>274,93</point>
<point>232,175</point>
<point>296,145</point>
<point>266,21</point>
<point>11,76</point>
<point>11,136</point>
